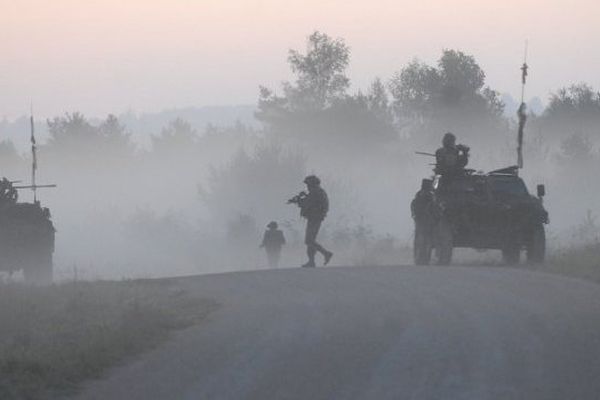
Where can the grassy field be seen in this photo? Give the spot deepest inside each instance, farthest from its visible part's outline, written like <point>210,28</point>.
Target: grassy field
<point>576,261</point>
<point>52,338</point>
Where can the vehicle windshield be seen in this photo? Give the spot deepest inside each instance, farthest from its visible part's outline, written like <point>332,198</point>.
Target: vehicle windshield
<point>508,186</point>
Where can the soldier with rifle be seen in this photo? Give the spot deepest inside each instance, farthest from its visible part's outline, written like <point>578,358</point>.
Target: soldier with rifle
<point>451,159</point>
<point>314,206</point>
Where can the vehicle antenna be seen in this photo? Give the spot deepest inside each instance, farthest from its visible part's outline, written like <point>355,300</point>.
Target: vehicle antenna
<point>34,186</point>
<point>522,111</point>
<point>33,156</point>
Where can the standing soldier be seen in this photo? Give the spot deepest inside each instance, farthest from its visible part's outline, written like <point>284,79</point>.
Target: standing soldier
<point>272,242</point>
<point>451,159</point>
<point>314,206</point>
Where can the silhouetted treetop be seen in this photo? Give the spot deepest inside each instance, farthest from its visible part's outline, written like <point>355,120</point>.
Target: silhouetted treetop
<point>451,96</point>
<point>461,77</point>
<point>317,110</point>
<point>420,90</point>
<point>320,78</point>
<point>576,101</point>
<point>573,110</point>
<point>74,136</point>
<point>177,135</point>
<point>415,89</point>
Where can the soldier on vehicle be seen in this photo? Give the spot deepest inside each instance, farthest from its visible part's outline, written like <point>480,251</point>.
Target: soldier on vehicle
<point>273,241</point>
<point>314,206</point>
<point>451,159</point>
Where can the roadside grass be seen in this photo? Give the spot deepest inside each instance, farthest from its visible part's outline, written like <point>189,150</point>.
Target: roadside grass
<point>52,338</point>
<point>578,261</point>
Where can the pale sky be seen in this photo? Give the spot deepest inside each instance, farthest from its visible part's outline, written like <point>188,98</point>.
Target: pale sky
<point>103,56</point>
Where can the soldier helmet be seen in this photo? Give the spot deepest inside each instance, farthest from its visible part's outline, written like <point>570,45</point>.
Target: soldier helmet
<point>312,180</point>
<point>449,139</point>
<point>272,225</point>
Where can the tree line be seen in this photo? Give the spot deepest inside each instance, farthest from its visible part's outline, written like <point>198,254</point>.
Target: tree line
<point>416,105</point>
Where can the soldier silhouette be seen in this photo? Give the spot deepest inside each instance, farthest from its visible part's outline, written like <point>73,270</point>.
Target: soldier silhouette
<point>273,241</point>
<point>314,206</point>
<point>451,159</point>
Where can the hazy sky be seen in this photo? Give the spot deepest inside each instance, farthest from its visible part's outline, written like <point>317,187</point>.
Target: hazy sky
<point>101,56</point>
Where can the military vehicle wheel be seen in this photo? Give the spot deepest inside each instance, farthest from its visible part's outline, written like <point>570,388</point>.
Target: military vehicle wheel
<point>536,249</point>
<point>422,247</point>
<point>444,243</point>
<point>511,255</point>
<point>39,271</point>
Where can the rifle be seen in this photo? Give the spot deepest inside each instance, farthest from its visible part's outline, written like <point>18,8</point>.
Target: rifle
<point>297,199</point>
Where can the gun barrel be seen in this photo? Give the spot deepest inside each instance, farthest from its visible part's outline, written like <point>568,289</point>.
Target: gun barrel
<point>422,153</point>
<point>34,186</point>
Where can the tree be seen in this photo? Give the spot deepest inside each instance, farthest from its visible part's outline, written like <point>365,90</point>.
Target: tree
<point>451,96</point>
<point>462,79</point>
<point>115,137</point>
<point>177,136</point>
<point>378,102</point>
<point>573,110</point>
<point>320,78</point>
<point>414,90</point>
<point>576,101</point>
<point>316,109</point>
<point>71,131</point>
<point>74,137</point>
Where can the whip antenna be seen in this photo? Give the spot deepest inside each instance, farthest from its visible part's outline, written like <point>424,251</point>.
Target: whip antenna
<point>34,186</point>
<point>522,111</point>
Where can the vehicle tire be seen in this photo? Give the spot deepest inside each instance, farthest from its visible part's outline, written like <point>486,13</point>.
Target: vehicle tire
<point>536,249</point>
<point>422,247</point>
<point>444,243</point>
<point>511,255</point>
<point>39,271</point>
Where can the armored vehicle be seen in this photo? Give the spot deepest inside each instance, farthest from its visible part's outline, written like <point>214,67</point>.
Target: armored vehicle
<point>26,236</point>
<point>480,211</point>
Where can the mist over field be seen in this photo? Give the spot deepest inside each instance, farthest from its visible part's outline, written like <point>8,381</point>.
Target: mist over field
<point>191,191</point>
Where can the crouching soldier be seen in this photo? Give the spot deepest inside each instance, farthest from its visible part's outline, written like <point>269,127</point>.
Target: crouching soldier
<point>272,242</point>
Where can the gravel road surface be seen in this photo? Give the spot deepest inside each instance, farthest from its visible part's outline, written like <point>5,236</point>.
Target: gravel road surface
<point>376,333</point>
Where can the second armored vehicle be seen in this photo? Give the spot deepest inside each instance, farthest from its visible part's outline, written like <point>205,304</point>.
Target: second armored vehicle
<point>26,236</point>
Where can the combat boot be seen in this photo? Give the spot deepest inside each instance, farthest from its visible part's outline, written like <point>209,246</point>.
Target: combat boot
<point>327,256</point>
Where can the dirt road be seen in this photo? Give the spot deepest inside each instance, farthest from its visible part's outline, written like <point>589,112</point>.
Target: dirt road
<point>377,333</point>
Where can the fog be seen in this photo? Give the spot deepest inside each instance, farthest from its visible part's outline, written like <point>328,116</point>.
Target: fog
<point>184,194</point>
